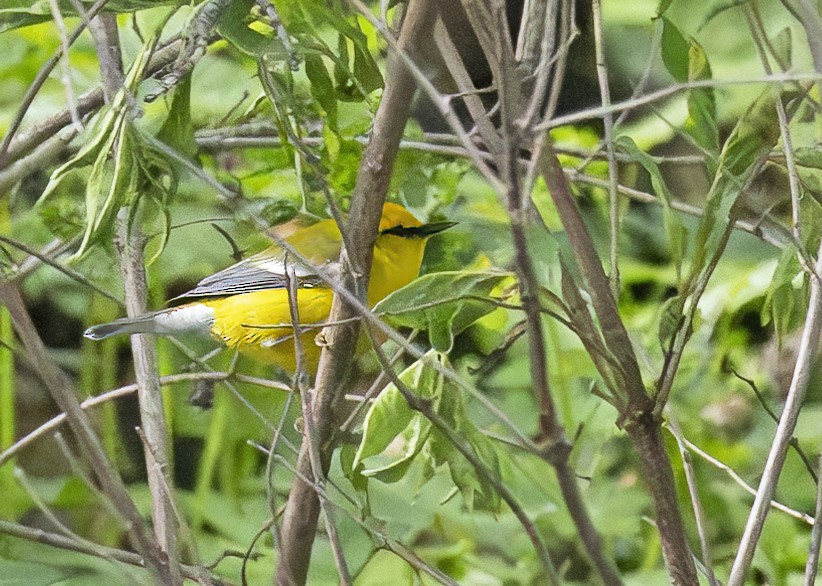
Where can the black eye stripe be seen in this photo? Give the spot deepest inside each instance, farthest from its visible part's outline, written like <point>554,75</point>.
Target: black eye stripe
<point>405,232</point>
<point>418,231</point>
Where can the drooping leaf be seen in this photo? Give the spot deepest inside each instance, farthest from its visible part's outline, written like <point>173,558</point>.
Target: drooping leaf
<point>686,61</point>
<point>674,51</point>
<point>787,295</point>
<point>390,421</point>
<point>443,303</point>
<point>754,136</point>
<point>177,130</point>
<point>701,123</point>
<point>322,87</point>
<point>677,234</point>
<point>476,492</point>
<point>123,165</point>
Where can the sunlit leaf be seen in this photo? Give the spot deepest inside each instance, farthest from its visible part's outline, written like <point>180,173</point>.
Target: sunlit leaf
<point>443,303</point>
<point>390,421</point>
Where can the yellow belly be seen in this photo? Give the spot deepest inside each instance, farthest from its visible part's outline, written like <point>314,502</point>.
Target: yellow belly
<point>259,324</point>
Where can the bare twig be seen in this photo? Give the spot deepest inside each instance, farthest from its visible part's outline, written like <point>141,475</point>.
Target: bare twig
<point>195,43</point>
<point>65,67</point>
<point>812,564</point>
<point>198,574</point>
<point>805,518</point>
<point>671,90</point>
<point>56,421</point>
<point>302,509</point>
<point>39,80</point>
<point>42,157</point>
<point>784,431</point>
<point>66,400</point>
<point>608,123</point>
<point>794,441</point>
<point>69,272</point>
<point>696,502</point>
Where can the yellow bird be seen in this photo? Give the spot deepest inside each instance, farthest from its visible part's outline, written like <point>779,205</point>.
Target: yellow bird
<point>246,306</point>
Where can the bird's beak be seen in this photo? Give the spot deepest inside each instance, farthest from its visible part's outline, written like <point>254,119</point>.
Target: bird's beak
<point>427,230</point>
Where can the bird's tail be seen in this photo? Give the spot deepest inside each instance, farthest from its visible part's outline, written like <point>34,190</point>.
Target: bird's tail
<point>192,317</point>
<point>145,324</point>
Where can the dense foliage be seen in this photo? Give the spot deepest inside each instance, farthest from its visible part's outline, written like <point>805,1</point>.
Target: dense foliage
<point>231,117</point>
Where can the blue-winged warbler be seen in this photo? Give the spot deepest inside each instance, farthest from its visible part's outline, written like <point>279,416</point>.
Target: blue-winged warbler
<point>247,307</point>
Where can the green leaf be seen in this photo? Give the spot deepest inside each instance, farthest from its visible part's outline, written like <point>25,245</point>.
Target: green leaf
<point>782,45</point>
<point>390,418</point>
<point>124,167</point>
<point>444,303</point>
<point>670,319</point>
<point>786,299</point>
<point>476,493</point>
<point>232,25</point>
<point>177,130</point>
<point>322,86</point>
<point>19,13</point>
<point>754,136</point>
<point>676,231</point>
<point>674,51</point>
<point>701,123</point>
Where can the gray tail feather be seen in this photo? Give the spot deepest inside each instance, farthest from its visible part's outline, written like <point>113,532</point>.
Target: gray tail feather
<point>139,325</point>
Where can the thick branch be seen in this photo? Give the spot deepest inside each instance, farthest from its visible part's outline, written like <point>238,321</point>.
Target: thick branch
<point>302,509</point>
<point>65,397</point>
<point>150,398</point>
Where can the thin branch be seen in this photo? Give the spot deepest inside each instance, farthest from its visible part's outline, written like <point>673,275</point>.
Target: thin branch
<point>65,67</point>
<point>198,574</point>
<point>608,124</point>
<point>302,509</point>
<point>310,434</point>
<point>58,420</point>
<point>668,91</point>
<point>784,432</point>
<point>812,564</point>
<point>68,271</point>
<point>42,157</point>
<point>794,441</point>
<point>65,397</point>
<point>696,502</point>
<point>805,518</point>
<point>152,415</point>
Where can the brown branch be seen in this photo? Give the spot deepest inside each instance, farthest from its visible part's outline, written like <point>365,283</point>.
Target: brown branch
<point>784,432</point>
<point>199,574</point>
<point>130,242</point>
<point>638,418</point>
<point>152,416</point>
<point>25,142</point>
<point>302,509</point>
<point>66,398</point>
<point>39,80</point>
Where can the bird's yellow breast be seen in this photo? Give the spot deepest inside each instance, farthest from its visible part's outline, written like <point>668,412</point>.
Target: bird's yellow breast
<point>259,324</point>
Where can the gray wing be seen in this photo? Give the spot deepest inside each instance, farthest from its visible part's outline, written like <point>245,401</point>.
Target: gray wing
<point>252,274</point>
